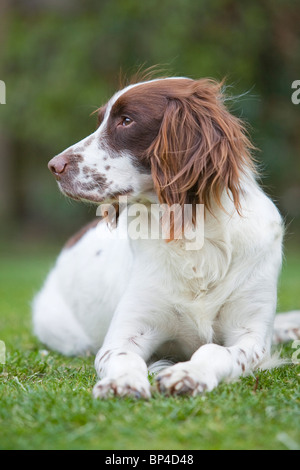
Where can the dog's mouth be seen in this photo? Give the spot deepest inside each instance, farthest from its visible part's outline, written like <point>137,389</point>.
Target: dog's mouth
<point>78,194</point>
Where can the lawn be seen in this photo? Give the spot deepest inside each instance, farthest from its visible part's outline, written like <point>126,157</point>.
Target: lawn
<point>46,398</point>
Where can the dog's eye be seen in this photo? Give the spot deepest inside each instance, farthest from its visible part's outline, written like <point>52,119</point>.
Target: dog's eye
<point>126,121</point>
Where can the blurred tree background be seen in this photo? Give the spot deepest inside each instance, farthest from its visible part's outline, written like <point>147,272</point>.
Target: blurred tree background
<point>60,60</point>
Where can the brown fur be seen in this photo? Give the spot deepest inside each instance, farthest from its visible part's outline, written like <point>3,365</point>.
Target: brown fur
<point>201,149</point>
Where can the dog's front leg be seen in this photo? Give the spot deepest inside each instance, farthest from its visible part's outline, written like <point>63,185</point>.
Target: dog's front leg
<point>244,327</point>
<point>129,343</point>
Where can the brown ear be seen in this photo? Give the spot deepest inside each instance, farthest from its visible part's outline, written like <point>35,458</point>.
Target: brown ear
<point>201,149</point>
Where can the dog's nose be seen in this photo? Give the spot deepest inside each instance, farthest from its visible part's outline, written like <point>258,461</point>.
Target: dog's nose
<point>58,164</point>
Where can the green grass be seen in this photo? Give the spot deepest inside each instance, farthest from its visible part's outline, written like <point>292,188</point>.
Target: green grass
<point>46,403</point>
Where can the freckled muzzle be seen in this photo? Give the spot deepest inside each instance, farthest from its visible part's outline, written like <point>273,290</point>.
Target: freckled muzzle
<point>86,183</point>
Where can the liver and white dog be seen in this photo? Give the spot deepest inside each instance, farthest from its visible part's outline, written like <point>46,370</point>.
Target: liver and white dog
<point>134,300</point>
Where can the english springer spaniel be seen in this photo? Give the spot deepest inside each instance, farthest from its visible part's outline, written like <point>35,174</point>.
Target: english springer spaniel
<point>134,299</point>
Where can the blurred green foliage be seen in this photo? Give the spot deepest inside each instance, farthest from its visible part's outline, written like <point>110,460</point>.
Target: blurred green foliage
<point>61,60</point>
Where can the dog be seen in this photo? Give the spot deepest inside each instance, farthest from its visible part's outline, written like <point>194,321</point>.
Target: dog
<point>200,315</point>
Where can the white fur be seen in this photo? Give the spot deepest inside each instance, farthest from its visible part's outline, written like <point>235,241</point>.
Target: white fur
<point>134,301</point>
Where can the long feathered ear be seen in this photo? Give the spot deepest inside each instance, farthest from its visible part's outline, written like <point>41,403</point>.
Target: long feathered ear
<point>201,149</point>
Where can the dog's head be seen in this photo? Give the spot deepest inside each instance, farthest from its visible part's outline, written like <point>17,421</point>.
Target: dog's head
<point>173,137</point>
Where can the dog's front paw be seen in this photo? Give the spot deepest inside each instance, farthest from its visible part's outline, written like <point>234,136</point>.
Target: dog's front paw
<point>123,386</point>
<point>185,378</point>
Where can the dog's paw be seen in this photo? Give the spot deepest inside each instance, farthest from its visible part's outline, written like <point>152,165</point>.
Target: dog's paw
<point>184,378</point>
<point>123,386</point>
